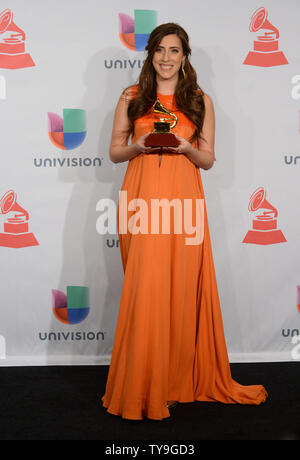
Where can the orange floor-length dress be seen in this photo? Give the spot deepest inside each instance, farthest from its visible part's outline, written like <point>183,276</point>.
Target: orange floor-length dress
<point>169,342</point>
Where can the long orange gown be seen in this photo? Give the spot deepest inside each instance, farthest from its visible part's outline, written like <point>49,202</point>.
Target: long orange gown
<point>169,342</point>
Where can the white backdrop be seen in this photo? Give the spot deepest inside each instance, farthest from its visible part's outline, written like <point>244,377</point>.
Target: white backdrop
<point>79,62</point>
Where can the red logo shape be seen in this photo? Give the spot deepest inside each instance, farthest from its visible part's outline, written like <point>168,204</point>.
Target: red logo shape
<point>266,49</point>
<point>264,224</point>
<point>16,233</point>
<point>12,44</point>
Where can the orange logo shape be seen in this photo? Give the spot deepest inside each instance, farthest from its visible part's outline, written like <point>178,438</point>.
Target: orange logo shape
<point>12,44</point>
<point>264,224</point>
<point>266,49</point>
<point>16,233</point>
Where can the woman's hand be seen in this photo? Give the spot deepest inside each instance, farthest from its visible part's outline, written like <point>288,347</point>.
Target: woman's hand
<point>184,147</point>
<point>140,144</point>
<point>202,158</point>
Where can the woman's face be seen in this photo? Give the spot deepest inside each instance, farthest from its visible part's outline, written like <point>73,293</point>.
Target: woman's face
<point>168,58</point>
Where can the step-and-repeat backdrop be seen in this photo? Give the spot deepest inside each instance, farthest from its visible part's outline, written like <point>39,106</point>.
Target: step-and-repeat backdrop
<point>63,66</point>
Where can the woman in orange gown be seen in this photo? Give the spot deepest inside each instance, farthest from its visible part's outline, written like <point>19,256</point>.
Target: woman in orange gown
<point>169,343</point>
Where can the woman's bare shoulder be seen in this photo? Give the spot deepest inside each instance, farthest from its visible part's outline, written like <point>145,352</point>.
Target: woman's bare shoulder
<point>207,100</point>
<point>129,93</point>
<point>205,96</point>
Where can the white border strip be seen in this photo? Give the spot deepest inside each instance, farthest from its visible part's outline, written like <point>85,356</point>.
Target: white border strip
<point>67,360</point>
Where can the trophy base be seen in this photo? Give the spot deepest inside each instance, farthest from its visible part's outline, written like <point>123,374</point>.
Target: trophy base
<point>161,140</point>
<point>17,241</point>
<point>17,61</point>
<point>264,237</point>
<point>260,59</point>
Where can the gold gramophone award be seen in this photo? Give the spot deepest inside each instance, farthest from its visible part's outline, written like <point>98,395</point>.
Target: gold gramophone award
<point>162,136</point>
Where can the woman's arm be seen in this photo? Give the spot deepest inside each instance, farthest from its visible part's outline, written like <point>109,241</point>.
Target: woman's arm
<point>204,155</point>
<point>119,150</point>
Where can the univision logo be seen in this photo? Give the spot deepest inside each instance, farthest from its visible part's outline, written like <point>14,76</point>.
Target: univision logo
<point>134,32</point>
<point>292,159</point>
<point>68,132</point>
<point>72,308</point>
<point>294,333</point>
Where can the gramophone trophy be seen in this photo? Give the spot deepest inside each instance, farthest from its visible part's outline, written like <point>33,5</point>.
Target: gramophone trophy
<point>264,225</point>
<point>266,52</point>
<point>16,233</point>
<point>162,136</point>
<point>12,44</point>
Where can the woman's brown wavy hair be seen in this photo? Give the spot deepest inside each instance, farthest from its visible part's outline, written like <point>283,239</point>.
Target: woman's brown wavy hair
<point>188,94</point>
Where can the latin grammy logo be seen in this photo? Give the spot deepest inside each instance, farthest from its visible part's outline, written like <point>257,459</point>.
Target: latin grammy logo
<point>266,49</point>
<point>16,234</point>
<point>12,44</point>
<point>264,225</point>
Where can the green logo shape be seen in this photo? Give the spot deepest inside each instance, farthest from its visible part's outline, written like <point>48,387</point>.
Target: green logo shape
<point>78,297</point>
<point>144,21</point>
<point>74,120</point>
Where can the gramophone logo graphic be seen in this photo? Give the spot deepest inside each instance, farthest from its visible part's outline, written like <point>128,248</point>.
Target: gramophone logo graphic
<point>16,234</point>
<point>264,224</point>
<point>12,44</point>
<point>266,49</point>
